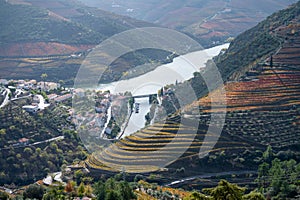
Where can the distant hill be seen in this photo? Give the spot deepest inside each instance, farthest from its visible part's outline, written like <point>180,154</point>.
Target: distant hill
<point>279,32</point>
<point>65,26</point>
<point>208,21</point>
<point>39,36</point>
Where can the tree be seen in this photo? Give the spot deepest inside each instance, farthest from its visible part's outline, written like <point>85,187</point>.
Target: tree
<point>55,193</point>
<point>196,74</point>
<point>138,177</point>
<point>28,151</point>
<point>78,174</point>
<point>69,187</point>
<point>277,175</point>
<point>268,154</point>
<point>4,195</point>
<point>34,192</point>
<point>198,196</point>
<point>110,184</point>
<point>160,92</point>
<point>61,83</point>
<point>131,103</point>
<point>99,190</point>
<point>263,172</point>
<point>282,178</point>
<point>113,195</point>
<point>2,131</point>
<point>81,190</point>
<point>254,196</point>
<point>126,191</point>
<point>43,77</point>
<point>112,189</point>
<point>226,191</point>
<point>88,191</point>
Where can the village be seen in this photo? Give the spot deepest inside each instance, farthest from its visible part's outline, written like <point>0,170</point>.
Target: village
<point>13,90</point>
<point>42,94</point>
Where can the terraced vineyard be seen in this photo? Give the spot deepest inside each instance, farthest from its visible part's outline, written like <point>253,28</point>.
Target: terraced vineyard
<point>260,112</point>
<point>145,150</point>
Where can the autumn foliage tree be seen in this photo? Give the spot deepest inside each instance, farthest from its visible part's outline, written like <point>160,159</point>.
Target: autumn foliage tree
<point>69,187</point>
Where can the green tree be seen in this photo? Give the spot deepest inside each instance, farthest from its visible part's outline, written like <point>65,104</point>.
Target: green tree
<point>138,177</point>
<point>43,77</point>
<point>268,155</point>
<point>263,172</point>
<point>28,151</point>
<point>88,191</point>
<point>196,74</point>
<point>61,83</point>
<point>282,178</point>
<point>113,195</point>
<point>226,191</point>
<point>2,131</point>
<point>277,174</point>
<point>126,191</point>
<point>34,192</point>
<point>55,193</point>
<point>110,184</point>
<point>4,195</point>
<point>78,174</point>
<point>99,190</point>
<point>131,102</point>
<point>81,190</point>
<point>198,196</point>
<point>254,196</point>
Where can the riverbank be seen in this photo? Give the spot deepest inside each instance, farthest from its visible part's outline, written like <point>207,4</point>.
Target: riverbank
<point>181,69</point>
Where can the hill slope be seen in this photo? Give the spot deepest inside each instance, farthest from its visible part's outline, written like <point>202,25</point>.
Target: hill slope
<point>262,109</point>
<point>208,21</point>
<point>40,36</point>
<point>62,25</point>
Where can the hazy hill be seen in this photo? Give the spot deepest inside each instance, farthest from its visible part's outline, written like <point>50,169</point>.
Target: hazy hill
<point>39,36</point>
<point>37,27</point>
<point>208,21</point>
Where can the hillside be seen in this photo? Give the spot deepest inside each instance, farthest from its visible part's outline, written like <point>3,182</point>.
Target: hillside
<point>262,83</point>
<point>262,109</point>
<point>54,37</point>
<point>64,25</point>
<point>27,153</point>
<point>254,46</point>
<point>208,21</point>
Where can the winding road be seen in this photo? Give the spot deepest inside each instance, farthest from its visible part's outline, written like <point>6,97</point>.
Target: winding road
<point>6,99</point>
<point>36,143</point>
<point>209,175</point>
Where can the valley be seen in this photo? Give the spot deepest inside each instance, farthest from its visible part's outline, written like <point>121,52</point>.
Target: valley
<point>217,123</point>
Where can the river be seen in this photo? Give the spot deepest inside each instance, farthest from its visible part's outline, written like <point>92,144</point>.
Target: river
<point>179,70</point>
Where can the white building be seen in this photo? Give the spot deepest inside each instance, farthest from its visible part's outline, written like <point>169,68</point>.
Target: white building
<point>3,82</point>
<point>30,108</point>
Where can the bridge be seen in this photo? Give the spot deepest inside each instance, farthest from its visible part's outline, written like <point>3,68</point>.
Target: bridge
<point>144,96</point>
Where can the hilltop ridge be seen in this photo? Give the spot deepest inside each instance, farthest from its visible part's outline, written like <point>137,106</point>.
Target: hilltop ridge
<point>209,22</point>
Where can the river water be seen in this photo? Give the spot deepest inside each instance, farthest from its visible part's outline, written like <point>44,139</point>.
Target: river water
<point>181,69</point>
